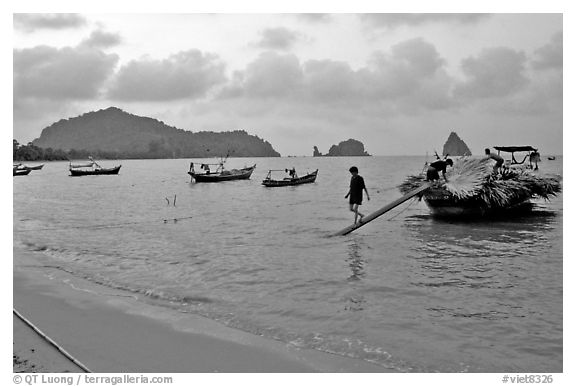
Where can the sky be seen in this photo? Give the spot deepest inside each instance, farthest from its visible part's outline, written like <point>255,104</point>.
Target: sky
<point>398,82</point>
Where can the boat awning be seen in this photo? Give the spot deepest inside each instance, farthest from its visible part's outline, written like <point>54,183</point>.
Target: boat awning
<point>512,149</point>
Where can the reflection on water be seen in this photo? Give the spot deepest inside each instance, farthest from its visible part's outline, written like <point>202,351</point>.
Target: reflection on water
<point>355,260</point>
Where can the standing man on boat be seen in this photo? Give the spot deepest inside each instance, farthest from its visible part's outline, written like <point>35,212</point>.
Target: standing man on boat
<point>499,160</point>
<point>438,166</point>
<point>355,193</point>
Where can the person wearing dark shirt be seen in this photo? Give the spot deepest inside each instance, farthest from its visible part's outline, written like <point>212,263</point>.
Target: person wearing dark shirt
<point>499,160</point>
<point>438,166</point>
<point>357,186</point>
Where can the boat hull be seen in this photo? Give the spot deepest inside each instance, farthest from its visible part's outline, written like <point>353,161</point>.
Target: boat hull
<point>95,172</point>
<point>307,179</point>
<point>242,174</point>
<point>470,209</point>
<point>20,172</point>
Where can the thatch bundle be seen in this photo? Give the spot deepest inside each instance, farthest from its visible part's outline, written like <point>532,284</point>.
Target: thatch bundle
<point>473,180</point>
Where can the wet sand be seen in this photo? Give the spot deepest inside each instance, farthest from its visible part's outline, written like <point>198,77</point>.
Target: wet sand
<point>112,331</point>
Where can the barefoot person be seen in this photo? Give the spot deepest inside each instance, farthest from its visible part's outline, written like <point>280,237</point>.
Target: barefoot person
<point>355,193</point>
<point>438,166</point>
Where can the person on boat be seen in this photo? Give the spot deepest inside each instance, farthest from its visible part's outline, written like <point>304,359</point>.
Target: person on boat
<point>292,173</point>
<point>499,160</point>
<point>432,174</point>
<point>357,186</point>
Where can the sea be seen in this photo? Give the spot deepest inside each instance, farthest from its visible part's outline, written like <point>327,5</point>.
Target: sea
<point>407,291</point>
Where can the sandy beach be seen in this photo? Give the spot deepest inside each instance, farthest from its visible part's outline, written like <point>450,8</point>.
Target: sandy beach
<point>111,331</point>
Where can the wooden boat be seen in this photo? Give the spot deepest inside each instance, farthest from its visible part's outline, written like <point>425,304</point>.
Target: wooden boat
<point>95,171</point>
<point>92,169</point>
<point>220,174</point>
<point>35,167</point>
<point>475,190</point>
<point>20,172</point>
<point>289,181</point>
<point>552,158</point>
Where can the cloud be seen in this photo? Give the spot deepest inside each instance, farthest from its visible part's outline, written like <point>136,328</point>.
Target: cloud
<point>395,20</point>
<point>270,75</point>
<point>277,39</point>
<point>315,17</point>
<point>328,81</point>
<point>410,77</point>
<point>187,74</point>
<point>402,71</point>
<point>102,39</point>
<point>549,56</point>
<point>29,22</point>
<point>495,72</point>
<point>61,74</point>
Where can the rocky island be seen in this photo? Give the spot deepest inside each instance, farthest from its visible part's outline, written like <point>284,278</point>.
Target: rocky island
<point>348,148</point>
<point>455,146</point>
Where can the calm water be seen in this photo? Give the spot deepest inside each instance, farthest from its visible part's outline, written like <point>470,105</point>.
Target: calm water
<point>407,291</point>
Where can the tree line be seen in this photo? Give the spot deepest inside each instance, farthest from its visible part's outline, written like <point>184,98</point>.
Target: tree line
<point>31,152</point>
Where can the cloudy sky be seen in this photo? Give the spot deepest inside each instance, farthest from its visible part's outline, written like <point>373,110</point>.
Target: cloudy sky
<point>400,83</point>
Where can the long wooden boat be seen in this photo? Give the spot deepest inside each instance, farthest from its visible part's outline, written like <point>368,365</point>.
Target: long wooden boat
<point>290,181</point>
<point>20,172</point>
<point>35,167</point>
<point>220,174</point>
<point>94,172</point>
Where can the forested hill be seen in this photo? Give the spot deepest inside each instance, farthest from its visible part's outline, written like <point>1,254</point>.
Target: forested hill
<point>130,136</point>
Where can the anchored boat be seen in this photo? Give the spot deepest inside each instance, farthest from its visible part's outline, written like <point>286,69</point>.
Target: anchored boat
<point>16,171</point>
<point>292,180</point>
<point>220,174</point>
<point>92,168</point>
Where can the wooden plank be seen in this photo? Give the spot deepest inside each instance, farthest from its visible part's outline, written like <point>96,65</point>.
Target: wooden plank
<point>383,210</point>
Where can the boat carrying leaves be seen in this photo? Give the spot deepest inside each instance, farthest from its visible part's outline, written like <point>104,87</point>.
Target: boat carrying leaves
<point>473,180</point>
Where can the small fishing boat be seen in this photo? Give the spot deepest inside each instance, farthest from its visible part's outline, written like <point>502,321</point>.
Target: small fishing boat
<point>220,174</point>
<point>35,167</point>
<point>551,158</point>
<point>92,169</point>
<point>16,171</point>
<point>292,180</point>
<point>95,171</point>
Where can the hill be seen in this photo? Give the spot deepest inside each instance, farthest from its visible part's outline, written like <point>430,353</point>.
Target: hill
<point>130,136</point>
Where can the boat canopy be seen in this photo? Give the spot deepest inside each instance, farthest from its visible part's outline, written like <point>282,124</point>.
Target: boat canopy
<point>512,149</point>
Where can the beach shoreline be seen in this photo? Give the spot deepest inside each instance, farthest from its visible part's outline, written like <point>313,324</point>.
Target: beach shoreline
<point>112,331</point>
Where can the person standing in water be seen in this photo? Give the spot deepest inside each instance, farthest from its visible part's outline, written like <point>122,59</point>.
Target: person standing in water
<point>357,186</point>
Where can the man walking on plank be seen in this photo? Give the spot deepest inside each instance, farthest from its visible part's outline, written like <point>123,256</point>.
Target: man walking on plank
<point>355,193</point>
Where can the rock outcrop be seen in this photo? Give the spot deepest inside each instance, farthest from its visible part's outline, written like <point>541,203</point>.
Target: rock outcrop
<point>455,146</point>
<point>348,148</point>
